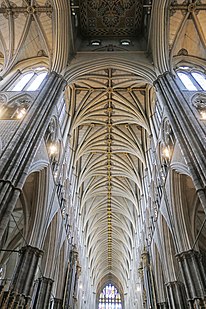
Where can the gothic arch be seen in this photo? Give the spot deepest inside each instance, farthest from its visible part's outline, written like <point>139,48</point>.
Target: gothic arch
<point>115,282</point>
<point>159,276</point>
<point>37,210</point>
<point>183,195</point>
<point>145,71</point>
<point>61,270</point>
<point>167,256</point>
<point>50,247</point>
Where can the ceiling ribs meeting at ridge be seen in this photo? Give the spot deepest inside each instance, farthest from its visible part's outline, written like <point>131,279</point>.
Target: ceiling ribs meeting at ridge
<point>108,132</point>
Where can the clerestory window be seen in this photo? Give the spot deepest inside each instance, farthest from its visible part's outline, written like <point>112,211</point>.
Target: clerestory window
<point>30,81</point>
<point>191,79</point>
<point>110,298</point>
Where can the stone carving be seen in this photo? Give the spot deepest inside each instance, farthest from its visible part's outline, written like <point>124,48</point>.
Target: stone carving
<point>167,133</point>
<point>9,11</point>
<point>48,4</point>
<point>3,99</point>
<point>22,101</point>
<point>110,17</point>
<point>199,101</point>
<point>10,108</point>
<point>183,52</point>
<point>51,131</point>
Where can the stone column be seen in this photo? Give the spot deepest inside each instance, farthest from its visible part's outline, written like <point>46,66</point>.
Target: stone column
<point>148,281</point>
<point>57,303</point>
<point>189,132</point>
<point>43,293</point>
<point>176,295</point>
<point>20,288</point>
<point>70,284</point>
<point>78,272</point>
<point>16,159</point>
<point>194,277</point>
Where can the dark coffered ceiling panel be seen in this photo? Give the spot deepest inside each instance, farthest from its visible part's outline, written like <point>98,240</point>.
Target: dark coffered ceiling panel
<point>111,18</point>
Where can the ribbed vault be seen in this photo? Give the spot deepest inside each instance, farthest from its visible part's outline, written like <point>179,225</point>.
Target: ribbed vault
<point>109,132</point>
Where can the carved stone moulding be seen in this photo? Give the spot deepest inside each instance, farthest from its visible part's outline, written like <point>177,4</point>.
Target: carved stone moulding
<point>199,102</point>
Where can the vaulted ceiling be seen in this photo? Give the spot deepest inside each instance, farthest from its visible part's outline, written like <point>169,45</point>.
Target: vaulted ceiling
<point>187,28</point>
<point>109,134</point>
<point>25,30</point>
<point>109,107</point>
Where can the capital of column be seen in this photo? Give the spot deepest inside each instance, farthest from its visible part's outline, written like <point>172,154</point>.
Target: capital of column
<point>163,305</point>
<point>190,254</point>
<point>24,274</point>
<point>57,303</point>
<point>31,250</point>
<point>43,292</point>
<point>193,274</point>
<point>176,295</point>
<point>46,280</point>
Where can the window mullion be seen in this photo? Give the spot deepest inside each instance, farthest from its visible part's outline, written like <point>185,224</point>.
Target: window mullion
<point>30,82</point>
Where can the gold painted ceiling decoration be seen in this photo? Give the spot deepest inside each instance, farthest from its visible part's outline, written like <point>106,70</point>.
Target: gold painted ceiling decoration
<point>110,17</point>
<point>8,8</point>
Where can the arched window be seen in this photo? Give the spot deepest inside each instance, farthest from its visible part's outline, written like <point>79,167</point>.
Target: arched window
<point>191,79</point>
<point>30,81</point>
<point>110,298</point>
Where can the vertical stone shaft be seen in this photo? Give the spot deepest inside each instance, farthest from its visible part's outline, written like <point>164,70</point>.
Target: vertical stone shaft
<point>57,304</point>
<point>16,159</point>
<point>189,133</point>
<point>20,288</point>
<point>43,295</point>
<point>148,282</point>
<point>69,295</point>
<point>176,295</point>
<point>193,274</point>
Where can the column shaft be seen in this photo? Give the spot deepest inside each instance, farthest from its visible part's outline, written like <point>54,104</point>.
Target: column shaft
<point>194,277</point>
<point>16,159</point>
<point>188,131</point>
<point>20,288</point>
<point>43,293</point>
<point>57,303</point>
<point>176,295</point>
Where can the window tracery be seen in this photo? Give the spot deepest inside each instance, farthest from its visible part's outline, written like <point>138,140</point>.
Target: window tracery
<point>30,81</point>
<point>110,298</point>
<point>192,79</point>
<point>15,108</point>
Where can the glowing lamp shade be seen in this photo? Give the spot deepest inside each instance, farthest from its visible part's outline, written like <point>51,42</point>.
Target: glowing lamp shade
<point>53,149</point>
<point>203,115</point>
<point>166,153</point>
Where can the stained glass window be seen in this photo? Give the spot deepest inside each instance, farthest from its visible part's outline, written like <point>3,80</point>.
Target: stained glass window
<point>110,298</point>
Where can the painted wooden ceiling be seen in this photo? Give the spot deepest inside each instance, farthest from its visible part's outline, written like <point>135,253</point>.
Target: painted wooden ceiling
<point>109,18</point>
